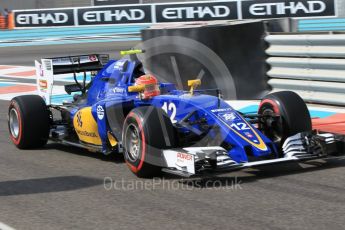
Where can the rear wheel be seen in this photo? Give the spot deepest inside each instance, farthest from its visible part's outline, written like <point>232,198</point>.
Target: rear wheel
<point>284,114</point>
<point>28,122</point>
<point>147,130</point>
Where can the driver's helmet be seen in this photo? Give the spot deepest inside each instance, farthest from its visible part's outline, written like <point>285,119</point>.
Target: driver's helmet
<point>151,86</point>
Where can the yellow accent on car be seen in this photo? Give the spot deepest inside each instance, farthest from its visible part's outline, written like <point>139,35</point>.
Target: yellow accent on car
<point>193,84</point>
<point>130,52</point>
<point>262,145</point>
<point>112,140</point>
<point>86,127</point>
<point>136,88</point>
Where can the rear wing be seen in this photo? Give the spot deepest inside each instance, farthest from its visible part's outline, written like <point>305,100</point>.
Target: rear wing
<point>49,67</point>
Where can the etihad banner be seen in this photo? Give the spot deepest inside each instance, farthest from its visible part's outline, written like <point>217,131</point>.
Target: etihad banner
<point>44,18</point>
<point>175,12</point>
<point>114,2</point>
<point>115,15</point>
<point>205,11</point>
<point>285,8</point>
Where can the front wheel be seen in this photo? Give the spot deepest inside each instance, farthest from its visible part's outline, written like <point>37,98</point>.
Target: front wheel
<point>283,114</point>
<point>28,122</point>
<point>146,132</point>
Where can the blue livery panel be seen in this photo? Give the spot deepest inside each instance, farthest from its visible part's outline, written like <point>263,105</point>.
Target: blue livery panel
<point>110,101</point>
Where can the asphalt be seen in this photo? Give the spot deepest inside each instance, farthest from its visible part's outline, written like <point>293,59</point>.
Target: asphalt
<point>60,187</point>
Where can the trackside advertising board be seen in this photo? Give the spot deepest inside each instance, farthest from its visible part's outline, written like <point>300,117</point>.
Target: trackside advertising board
<point>175,12</point>
<point>115,15</point>
<point>114,2</point>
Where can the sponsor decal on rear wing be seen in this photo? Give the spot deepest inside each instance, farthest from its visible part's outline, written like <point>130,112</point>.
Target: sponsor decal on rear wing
<point>76,64</point>
<point>47,68</point>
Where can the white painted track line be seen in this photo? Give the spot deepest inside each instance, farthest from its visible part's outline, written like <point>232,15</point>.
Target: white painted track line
<point>5,227</point>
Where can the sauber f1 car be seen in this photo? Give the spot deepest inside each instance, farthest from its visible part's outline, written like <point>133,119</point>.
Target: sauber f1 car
<point>157,127</point>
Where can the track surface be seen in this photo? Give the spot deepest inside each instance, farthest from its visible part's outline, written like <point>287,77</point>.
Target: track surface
<point>63,188</point>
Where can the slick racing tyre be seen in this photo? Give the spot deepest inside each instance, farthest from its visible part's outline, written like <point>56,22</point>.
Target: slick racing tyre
<point>283,114</point>
<point>146,131</point>
<point>28,122</point>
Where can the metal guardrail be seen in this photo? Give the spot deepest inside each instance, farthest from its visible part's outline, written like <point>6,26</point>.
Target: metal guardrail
<point>313,65</point>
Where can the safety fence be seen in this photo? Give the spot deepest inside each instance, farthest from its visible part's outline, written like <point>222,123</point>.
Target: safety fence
<point>313,65</point>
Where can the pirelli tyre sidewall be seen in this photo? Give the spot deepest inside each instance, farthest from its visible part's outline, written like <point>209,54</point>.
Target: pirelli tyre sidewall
<point>151,130</point>
<point>293,112</point>
<point>28,122</point>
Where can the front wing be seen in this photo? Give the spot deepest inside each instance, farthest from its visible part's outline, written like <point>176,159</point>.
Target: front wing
<point>196,161</point>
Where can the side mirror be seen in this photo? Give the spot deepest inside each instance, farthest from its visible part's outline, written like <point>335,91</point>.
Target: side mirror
<point>131,52</point>
<point>136,89</point>
<point>193,84</point>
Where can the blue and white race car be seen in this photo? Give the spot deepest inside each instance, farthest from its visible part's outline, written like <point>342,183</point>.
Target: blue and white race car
<point>159,128</point>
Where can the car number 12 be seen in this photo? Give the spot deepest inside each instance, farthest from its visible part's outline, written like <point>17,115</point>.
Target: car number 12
<point>240,126</point>
<point>170,109</point>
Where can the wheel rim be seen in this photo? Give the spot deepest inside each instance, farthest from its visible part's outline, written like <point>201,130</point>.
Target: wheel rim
<point>132,142</point>
<point>14,123</point>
